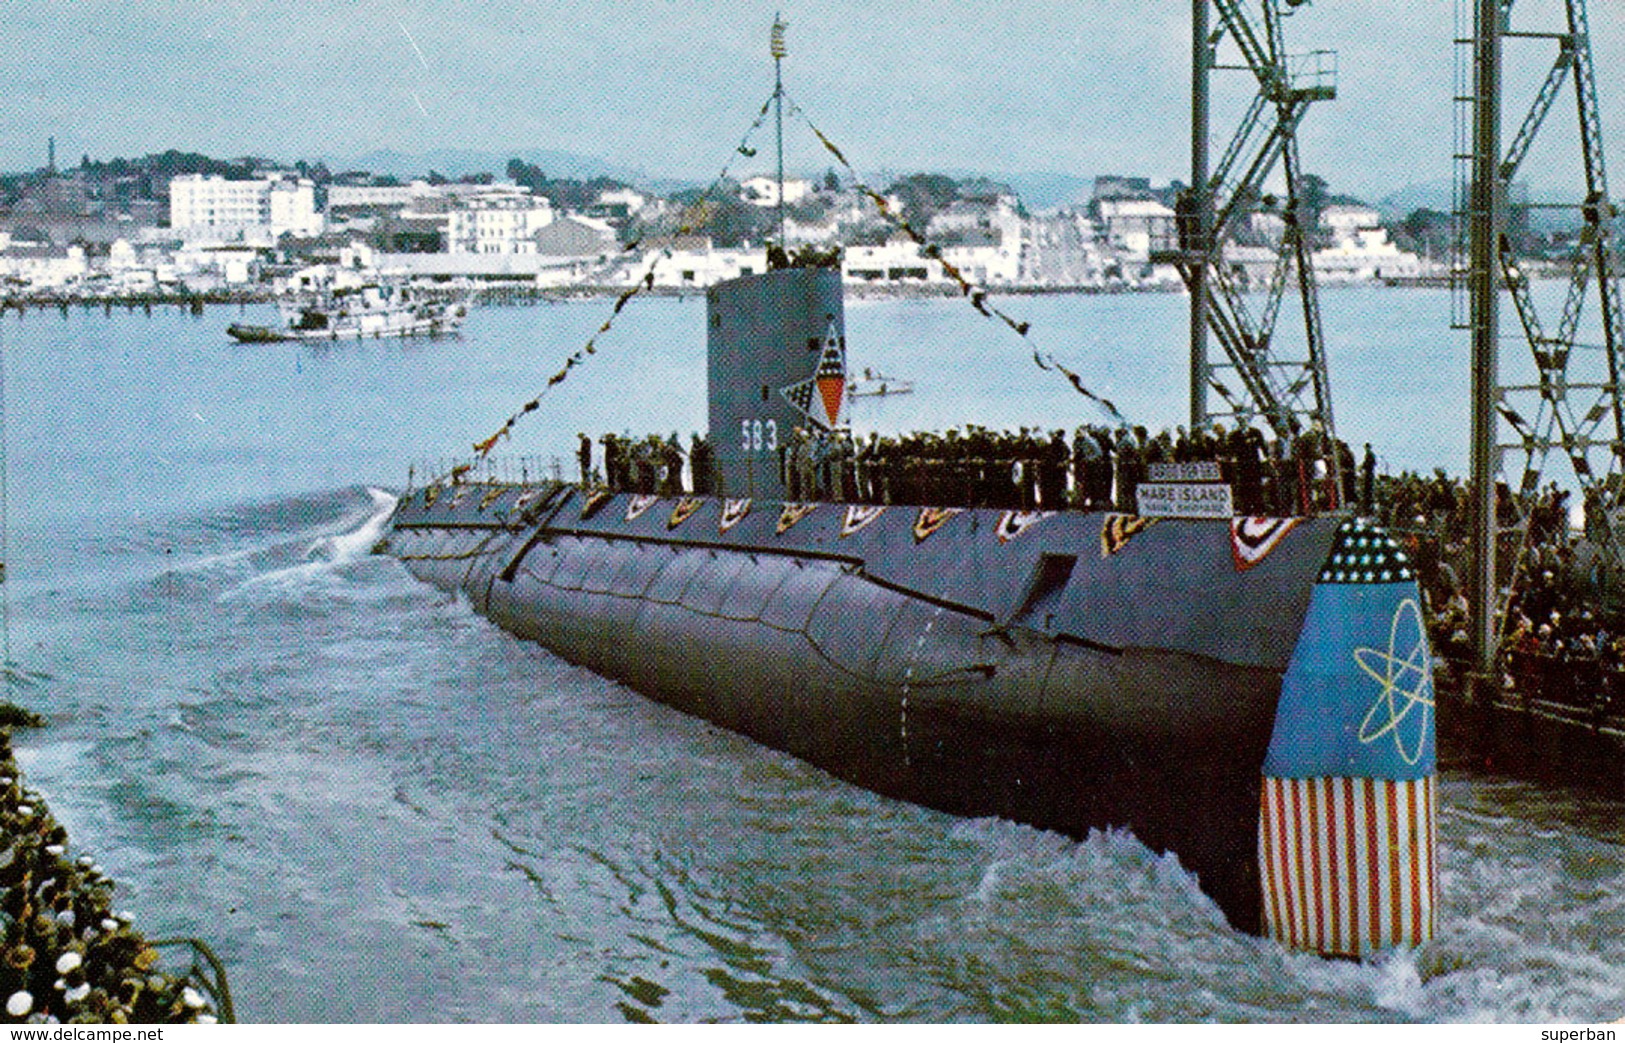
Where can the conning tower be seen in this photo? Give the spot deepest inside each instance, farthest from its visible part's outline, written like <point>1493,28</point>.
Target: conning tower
<point>776,362</point>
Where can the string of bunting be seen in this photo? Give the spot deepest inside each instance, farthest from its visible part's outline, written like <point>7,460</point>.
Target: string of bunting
<point>977,295</point>
<point>483,448</point>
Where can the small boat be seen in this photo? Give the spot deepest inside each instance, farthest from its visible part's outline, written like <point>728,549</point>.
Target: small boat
<point>246,334</point>
<point>877,385</point>
<point>374,310</point>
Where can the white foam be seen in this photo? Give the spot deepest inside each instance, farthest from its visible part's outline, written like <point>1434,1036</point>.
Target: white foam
<point>52,757</point>
<point>1398,984</point>
<point>987,889</point>
<point>352,545</point>
<point>330,552</point>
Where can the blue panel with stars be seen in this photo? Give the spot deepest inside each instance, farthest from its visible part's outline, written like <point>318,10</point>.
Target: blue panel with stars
<point>1363,553</point>
<point>1357,698</point>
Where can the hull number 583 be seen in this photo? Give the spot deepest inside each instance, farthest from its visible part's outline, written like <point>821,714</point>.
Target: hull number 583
<point>756,436</point>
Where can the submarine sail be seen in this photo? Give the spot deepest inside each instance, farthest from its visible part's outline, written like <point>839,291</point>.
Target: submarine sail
<point>775,365</point>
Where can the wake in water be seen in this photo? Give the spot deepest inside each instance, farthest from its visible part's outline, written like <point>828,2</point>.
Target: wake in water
<point>348,546</point>
<point>282,544</point>
<point>288,746</point>
<point>203,556</point>
<point>317,577</point>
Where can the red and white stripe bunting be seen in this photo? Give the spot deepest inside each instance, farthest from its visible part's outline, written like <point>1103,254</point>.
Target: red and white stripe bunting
<point>1349,865</point>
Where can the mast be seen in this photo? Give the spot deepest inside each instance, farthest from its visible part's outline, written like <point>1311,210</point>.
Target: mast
<point>1486,222</point>
<point>779,51</point>
<point>1201,204</point>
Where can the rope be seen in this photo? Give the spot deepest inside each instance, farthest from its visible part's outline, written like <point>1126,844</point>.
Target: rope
<point>977,295</point>
<point>218,987</point>
<point>483,447</point>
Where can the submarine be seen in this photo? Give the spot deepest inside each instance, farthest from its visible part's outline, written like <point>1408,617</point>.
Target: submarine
<point>1252,694</point>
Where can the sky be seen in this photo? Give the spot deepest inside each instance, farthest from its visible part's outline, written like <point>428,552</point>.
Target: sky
<point>667,87</point>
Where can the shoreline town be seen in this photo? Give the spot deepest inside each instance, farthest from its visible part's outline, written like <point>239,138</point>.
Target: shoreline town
<point>183,228</point>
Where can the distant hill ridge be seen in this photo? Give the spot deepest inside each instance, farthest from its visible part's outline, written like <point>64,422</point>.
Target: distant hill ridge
<point>455,163</point>
<point>1038,190</point>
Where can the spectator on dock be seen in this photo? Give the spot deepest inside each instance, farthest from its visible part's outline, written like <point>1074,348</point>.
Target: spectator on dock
<point>584,458</point>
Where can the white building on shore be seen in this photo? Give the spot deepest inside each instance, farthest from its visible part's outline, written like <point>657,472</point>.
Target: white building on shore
<point>691,261</point>
<point>212,208</point>
<point>764,190</point>
<point>983,257</point>
<point>1138,227</point>
<point>895,261</point>
<point>983,239</point>
<point>503,221</point>
<point>1366,256</point>
<point>381,197</point>
<point>1361,251</point>
<point>1345,220</point>
<point>41,266</point>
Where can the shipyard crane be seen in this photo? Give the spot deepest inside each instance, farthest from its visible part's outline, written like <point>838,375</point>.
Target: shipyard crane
<point>1282,386</point>
<point>1574,403</point>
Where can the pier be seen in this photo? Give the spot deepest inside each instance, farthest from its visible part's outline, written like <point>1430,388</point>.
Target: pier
<point>147,302</point>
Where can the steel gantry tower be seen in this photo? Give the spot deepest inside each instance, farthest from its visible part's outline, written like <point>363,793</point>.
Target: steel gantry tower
<point>1574,402</point>
<point>1258,378</point>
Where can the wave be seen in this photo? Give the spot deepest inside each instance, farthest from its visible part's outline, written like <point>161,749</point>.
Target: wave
<point>360,541</point>
<point>327,555</point>
<point>294,512</point>
<point>220,550</point>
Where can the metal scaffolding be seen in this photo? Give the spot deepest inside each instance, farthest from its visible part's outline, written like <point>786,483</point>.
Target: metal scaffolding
<point>1259,378</point>
<point>1574,403</point>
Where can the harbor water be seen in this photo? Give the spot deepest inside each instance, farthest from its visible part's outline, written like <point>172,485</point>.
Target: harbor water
<point>378,807</point>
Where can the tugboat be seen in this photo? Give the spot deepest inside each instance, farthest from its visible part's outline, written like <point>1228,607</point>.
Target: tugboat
<point>373,310</point>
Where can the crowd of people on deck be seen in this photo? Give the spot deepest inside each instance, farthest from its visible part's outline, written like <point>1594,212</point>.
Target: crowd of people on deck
<point>1563,637</point>
<point>1560,643</point>
<point>1098,468</point>
<point>648,465</point>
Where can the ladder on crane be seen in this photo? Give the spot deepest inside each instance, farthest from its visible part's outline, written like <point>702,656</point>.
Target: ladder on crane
<point>1259,378</point>
<point>1573,404</point>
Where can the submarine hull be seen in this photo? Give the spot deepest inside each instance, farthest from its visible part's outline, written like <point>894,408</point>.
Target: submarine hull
<point>1045,668</point>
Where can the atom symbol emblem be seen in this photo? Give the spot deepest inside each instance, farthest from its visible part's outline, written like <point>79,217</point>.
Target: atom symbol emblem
<point>1405,685</point>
